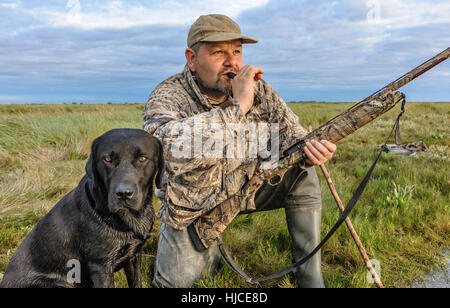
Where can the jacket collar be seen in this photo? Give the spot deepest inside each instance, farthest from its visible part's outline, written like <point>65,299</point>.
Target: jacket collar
<point>194,90</point>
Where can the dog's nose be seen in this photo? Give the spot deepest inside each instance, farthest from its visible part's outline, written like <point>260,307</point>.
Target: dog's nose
<point>124,192</point>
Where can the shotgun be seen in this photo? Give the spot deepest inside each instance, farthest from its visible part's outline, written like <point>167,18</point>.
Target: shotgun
<point>206,229</point>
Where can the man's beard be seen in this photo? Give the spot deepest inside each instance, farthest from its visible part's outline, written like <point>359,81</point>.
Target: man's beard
<point>219,88</point>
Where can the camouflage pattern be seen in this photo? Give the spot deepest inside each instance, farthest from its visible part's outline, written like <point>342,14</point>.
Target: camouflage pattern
<point>356,117</point>
<point>194,185</point>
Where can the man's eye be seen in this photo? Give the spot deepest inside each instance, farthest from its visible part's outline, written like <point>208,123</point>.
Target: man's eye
<point>218,52</point>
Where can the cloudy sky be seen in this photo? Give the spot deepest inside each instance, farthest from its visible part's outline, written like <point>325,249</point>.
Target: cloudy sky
<point>89,51</point>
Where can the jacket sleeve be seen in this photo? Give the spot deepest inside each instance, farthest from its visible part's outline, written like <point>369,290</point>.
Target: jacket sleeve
<point>197,173</point>
<point>183,137</point>
<point>290,130</point>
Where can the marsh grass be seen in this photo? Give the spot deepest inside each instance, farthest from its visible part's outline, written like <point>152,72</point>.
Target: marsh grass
<point>402,217</point>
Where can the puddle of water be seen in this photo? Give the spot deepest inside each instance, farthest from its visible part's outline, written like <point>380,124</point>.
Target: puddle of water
<point>437,278</point>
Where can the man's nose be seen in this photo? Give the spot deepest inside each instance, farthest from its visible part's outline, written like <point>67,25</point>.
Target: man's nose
<point>231,60</point>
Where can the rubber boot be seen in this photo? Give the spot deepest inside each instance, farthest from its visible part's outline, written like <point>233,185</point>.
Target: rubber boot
<point>304,227</point>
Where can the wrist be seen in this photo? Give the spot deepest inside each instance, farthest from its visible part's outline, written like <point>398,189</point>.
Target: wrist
<point>244,110</point>
<point>245,106</point>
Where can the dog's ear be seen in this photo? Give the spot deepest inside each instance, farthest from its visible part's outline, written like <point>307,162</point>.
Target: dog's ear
<point>160,167</point>
<point>96,183</point>
<point>91,169</point>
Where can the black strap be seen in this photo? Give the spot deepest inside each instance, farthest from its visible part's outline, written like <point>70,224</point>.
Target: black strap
<point>398,139</point>
<point>349,207</point>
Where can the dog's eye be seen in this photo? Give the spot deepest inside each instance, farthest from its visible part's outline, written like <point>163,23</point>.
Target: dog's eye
<point>107,159</point>
<point>143,159</point>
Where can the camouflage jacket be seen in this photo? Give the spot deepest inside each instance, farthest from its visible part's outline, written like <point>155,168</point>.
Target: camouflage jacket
<point>200,169</point>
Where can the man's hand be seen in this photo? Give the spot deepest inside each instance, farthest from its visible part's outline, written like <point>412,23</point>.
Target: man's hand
<point>319,152</point>
<point>242,86</point>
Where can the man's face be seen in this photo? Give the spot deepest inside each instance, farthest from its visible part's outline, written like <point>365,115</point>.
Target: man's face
<point>213,61</point>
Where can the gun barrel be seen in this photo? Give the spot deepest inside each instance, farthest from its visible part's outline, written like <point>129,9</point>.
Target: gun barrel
<point>368,109</point>
<point>413,74</point>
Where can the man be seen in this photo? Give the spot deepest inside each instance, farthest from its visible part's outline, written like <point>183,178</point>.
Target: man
<point>200,101</point>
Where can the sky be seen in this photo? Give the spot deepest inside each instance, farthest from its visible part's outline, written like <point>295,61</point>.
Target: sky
<point>64,51</point>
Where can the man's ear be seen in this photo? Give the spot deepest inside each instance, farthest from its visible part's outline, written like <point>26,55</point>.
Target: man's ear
<point>190,58</point>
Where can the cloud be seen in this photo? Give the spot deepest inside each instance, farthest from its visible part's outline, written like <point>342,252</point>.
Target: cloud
<point>320,48</point>
<point>310,50</point>
<point>9,5</point>
<point>125,14</point>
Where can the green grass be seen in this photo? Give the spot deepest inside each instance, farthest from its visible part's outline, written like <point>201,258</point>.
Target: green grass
<point>403,217</point>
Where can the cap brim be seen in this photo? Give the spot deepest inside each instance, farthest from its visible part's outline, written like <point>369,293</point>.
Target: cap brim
<point>223,37</point>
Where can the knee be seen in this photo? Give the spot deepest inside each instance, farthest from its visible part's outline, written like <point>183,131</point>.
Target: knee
<point>178,263</point>
<point>306,191</point>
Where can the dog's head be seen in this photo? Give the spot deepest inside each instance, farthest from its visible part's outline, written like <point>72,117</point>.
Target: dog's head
<point>121,167</point>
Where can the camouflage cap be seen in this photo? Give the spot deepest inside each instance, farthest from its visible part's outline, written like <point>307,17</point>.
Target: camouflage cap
<point>216,28</point>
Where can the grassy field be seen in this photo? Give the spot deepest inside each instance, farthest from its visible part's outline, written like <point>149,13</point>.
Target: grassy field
<point>403,217</point>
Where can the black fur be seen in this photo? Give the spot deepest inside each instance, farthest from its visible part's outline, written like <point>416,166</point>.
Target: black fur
<point>96,223</point>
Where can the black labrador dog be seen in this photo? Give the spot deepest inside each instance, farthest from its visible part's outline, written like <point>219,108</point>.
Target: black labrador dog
<point>101,225</point>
